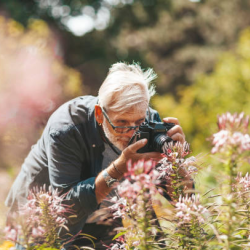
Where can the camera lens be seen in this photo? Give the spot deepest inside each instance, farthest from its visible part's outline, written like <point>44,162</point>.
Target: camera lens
<point>159,141</point>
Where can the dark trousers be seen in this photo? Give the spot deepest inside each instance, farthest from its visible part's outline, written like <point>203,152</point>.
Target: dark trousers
<point>103,234</point>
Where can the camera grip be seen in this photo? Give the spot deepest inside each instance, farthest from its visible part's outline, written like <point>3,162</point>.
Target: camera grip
<point>143,135</point>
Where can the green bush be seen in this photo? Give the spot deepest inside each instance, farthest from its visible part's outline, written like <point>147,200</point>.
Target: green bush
<point>227,88</point>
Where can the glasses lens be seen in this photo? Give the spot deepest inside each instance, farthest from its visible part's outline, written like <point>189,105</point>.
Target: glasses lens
<point>124,130</point>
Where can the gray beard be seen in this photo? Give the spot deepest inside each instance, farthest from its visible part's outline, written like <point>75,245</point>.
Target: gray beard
<point>118,141</point>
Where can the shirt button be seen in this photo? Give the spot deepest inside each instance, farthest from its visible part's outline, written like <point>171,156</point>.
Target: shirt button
<point>93,145</point>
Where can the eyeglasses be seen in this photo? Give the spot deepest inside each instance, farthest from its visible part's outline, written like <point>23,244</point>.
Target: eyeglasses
<point>119,129</point>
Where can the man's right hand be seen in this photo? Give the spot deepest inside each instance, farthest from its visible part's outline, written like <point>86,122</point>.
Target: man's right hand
<point>130,153</point>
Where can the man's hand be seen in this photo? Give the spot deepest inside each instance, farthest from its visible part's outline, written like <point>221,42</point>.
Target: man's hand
<point>130,153</point>
<point>120,164</point>
<point>176,133</point>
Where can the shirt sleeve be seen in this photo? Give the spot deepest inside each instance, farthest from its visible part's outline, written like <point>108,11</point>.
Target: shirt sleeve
<point>66,154</point>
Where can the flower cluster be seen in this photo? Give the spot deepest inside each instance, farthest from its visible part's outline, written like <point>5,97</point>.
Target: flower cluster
<point>39,220</point>
<point>232,133</point>
<point>119,245</point>
<point>138,187</point>
<point>140,177</point>
<point>175,159</point>
<point>242,184</point>
<point>176,150</point>
<point>175,170</point>
<point>189,209</point>
<point>134,204</point>
<point>190,220</point>
<point>233,122</point>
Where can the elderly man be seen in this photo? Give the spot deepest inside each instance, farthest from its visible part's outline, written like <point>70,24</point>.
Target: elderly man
<point>84,147</point>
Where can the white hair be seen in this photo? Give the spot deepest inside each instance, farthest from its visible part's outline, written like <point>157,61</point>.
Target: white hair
<point>126,86</point>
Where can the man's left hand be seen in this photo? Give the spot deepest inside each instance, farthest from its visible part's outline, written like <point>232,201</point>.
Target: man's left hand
<point>176,133</point>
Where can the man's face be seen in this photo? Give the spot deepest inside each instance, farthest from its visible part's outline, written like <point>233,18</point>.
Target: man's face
<point>133,117</point>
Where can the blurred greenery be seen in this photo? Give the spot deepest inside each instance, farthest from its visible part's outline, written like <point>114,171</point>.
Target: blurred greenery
<point>178,38</point>
<point>227,88</point>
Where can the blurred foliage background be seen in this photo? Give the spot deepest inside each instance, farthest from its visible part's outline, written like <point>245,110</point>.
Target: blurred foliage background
<point>226,88</point>
<point>54,50</point>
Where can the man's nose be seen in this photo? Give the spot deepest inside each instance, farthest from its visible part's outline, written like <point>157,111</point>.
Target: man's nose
<point>130,133</point>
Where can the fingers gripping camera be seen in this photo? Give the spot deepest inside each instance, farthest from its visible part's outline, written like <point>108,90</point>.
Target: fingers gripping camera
<point>155,133</point>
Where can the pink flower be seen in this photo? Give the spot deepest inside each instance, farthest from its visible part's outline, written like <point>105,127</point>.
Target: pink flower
<point>233,122</point>
<point>135,193</point>
<point>10,233</point>
<point>37,232</point>
<point>42,216</point>
<point>190,164</point>
<point>242,183</point>
<point>232,134</point>
<point>176,150</point>
<point>189,210</point>
<point>219,140</point>
<point>175,161</point>
<point>118,246</point>
<point>136,243</point>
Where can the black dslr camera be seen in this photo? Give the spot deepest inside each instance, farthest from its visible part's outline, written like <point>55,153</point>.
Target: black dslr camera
<point>155,133</point>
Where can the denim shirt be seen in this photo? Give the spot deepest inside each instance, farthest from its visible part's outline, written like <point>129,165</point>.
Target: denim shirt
<point>68,156</point>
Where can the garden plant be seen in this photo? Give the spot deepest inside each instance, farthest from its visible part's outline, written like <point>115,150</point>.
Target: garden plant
<point>187,219</point>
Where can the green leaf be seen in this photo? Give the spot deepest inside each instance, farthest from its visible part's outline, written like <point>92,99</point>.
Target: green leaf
<point>119,234</point>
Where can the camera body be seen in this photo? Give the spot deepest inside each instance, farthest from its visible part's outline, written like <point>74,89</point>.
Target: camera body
<point>155,133</point>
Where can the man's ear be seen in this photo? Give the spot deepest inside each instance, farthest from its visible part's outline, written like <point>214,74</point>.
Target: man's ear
<point>98,114</point>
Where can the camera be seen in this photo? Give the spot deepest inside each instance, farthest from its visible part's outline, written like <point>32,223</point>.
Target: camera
<point>155,133</point>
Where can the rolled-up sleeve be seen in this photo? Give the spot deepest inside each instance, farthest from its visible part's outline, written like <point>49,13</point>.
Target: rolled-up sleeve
<point>66,154</point>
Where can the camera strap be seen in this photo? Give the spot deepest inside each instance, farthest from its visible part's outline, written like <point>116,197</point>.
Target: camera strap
<point>133,138</point>
<point>105,139</point>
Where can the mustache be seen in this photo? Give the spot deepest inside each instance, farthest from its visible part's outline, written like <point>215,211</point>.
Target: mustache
<point>125,139</point>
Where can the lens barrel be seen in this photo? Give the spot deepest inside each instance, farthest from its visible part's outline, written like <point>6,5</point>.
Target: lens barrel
<point>159,141</point>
